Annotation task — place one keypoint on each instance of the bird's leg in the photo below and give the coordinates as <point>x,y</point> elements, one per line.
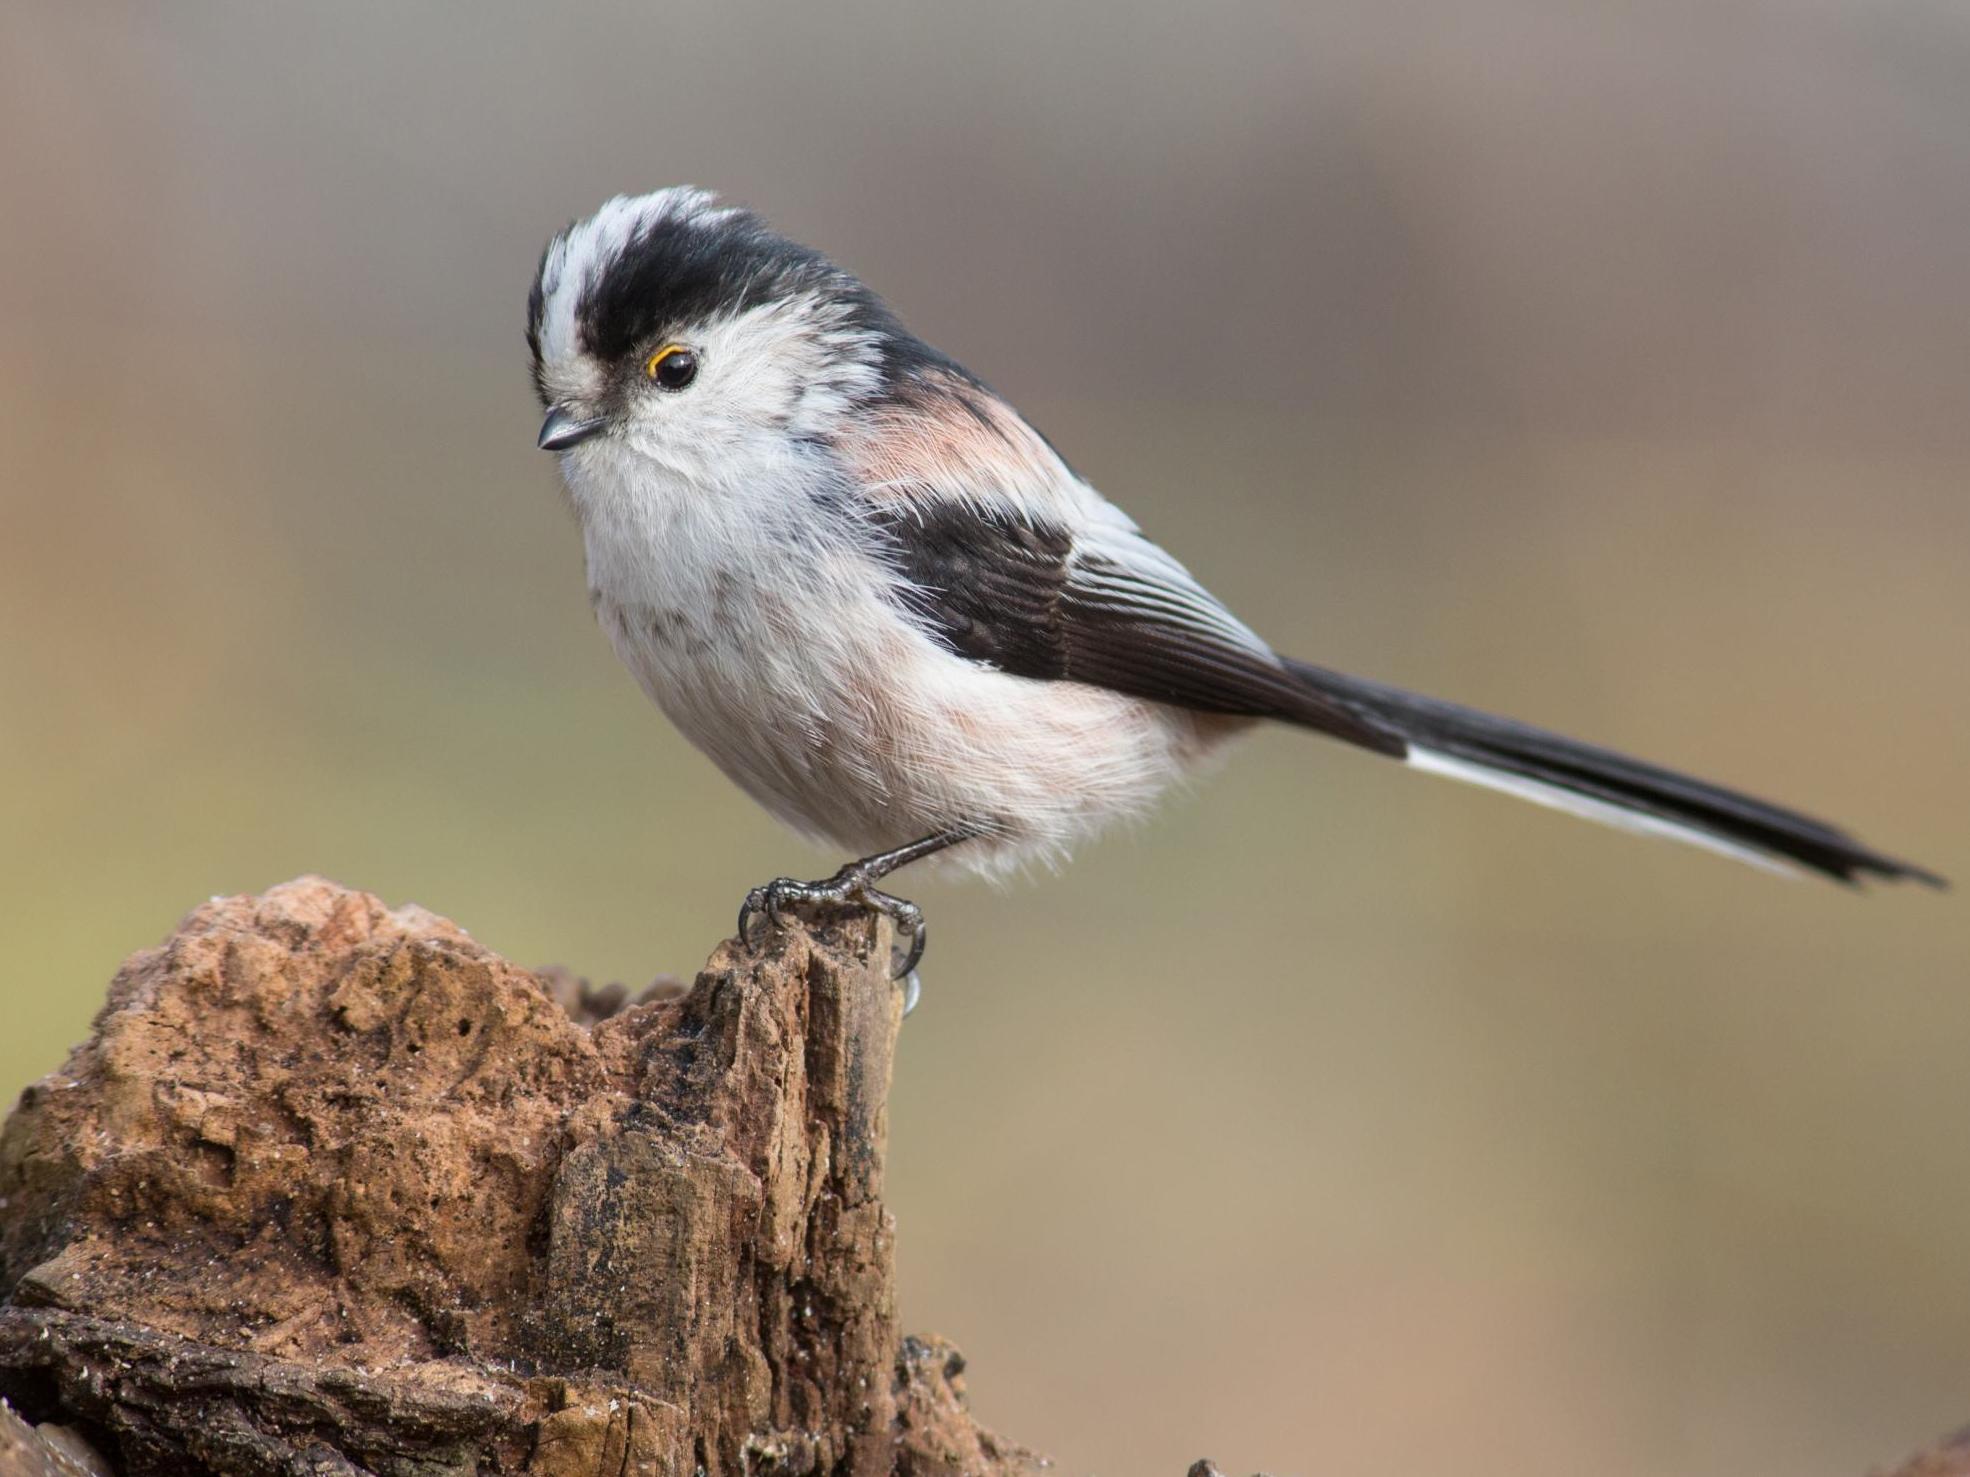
<point>855,885</point>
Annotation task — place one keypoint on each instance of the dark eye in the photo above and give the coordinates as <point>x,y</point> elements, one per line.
<point>672,367</point>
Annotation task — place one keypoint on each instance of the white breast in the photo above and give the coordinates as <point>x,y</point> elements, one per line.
<point>764,633</point>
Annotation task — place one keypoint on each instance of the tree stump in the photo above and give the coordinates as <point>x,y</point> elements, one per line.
<point>333,1189</point>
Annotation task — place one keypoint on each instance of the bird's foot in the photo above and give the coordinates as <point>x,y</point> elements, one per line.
<point>852,886</point>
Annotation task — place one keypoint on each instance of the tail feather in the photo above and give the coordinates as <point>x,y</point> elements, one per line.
<point>1462,743</point>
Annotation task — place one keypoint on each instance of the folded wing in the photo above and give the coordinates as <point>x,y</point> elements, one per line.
<point>1009,559</point>
<point>1109,609</point>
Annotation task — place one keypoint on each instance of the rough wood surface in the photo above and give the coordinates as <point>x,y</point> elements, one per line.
<point>333,1189</point>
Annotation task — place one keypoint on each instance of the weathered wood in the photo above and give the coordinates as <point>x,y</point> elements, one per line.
<point>333,1189</point>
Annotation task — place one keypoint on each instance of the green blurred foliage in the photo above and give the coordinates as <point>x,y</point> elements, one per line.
<point>1603,365</point>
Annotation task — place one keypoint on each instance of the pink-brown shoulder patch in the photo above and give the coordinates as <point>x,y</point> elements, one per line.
<point>953,440</point>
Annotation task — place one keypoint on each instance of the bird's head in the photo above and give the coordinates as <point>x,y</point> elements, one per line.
<point>677,328</point>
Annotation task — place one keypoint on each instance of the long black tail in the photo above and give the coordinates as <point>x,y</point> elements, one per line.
<point>1465,744</point>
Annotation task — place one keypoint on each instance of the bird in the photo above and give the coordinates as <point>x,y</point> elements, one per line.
<point>886,607</point>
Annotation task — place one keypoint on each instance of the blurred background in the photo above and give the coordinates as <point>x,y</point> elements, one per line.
<point>1602,364</point>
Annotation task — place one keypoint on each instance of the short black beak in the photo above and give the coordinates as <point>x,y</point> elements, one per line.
<point>561,430</point>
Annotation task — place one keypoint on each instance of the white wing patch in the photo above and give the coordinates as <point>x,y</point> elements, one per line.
<point>1124,569</point>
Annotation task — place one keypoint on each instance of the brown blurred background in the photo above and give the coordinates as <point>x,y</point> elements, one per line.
<point>1604,364</point>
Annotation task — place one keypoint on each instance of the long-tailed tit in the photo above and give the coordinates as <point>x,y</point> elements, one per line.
<point>888,609</point>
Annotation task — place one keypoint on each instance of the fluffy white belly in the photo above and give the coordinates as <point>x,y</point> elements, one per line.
<point>767,636</point>
<point>856,729</point>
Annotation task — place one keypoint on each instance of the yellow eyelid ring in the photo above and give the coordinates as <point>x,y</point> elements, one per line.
<point>672,367</point>
<point>655,361</point>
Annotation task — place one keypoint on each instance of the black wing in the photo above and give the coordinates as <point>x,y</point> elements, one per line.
<point>1029,598</point>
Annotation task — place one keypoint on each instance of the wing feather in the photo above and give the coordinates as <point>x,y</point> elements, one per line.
<point>1011,560</point>
<point>1109,609</point>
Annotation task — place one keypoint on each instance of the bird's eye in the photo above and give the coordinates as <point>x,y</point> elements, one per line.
<point>672,367</point>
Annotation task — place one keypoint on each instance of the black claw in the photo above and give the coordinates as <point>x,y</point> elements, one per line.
<point>768,902</point>
<point>919,939</point>
<point>854,885</point>
<point>849,886</point>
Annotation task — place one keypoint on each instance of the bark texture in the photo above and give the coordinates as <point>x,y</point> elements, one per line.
<point>333,1189</point>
